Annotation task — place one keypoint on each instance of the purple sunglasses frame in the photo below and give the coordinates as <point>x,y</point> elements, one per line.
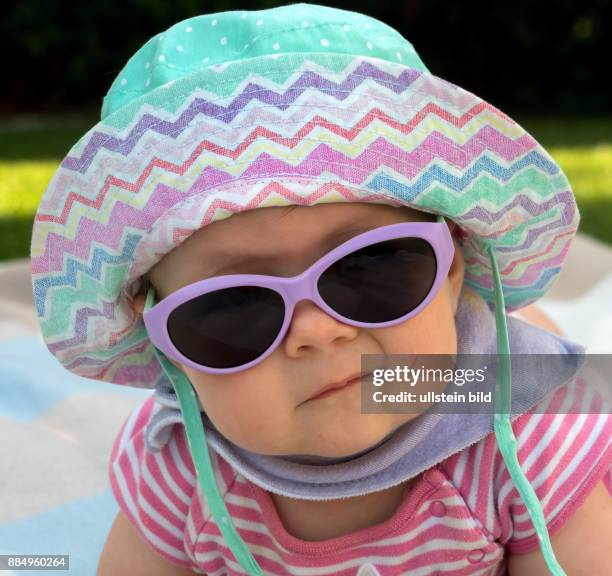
<point>296,288</point>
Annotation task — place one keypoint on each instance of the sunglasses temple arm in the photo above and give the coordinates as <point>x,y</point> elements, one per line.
<point>504,434</point>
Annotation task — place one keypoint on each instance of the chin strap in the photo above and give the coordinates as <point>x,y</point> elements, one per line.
<point>506,441</point>
<point>196,438</point>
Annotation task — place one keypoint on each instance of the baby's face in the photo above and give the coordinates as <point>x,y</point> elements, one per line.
<point>266,408</point>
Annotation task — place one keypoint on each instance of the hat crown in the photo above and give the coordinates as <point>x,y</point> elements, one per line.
<point>215,40</point>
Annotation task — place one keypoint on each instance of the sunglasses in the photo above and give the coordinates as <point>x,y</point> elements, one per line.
<point>376,279</point>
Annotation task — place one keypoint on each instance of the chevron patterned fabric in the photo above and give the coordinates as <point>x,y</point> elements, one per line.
<point>275,130</point>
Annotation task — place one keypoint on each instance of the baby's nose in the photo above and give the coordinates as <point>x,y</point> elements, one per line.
<point>313,327</point>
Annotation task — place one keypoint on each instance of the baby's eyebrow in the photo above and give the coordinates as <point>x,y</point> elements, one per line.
<point>224,258</point>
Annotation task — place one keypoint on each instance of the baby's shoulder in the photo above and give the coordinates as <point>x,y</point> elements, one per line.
<point>158,490</point>
<point>564,446</point>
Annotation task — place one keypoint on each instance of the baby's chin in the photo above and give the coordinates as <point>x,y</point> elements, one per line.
<point>332,451</point>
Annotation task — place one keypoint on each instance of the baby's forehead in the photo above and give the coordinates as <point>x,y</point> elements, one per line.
<point>266,235</point>
<point>320,216</point>
<point>299,223</point>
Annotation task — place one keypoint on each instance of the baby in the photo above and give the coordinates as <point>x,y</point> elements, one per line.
<point>276,400</point>
<point>273,408</point>
<point>263,143</point>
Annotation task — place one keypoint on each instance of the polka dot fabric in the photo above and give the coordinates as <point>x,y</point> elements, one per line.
<point>216,39</point>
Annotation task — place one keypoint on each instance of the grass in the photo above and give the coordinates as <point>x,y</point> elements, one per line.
<point>31,149</point>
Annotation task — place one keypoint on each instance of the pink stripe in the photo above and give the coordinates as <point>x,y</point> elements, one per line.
<point>544,422</point>
<point>568,456</point>
<point>357,554</point>
<point>502,520</point>
<point>123,462</point>
<point>186,485</point>
<point>163,491</point>
<point>484,482</point>
<point>183,449</point>
<point>197,516</point>
<point>125,467</point>
<point>227,472</point>
<point>579,496</point>
<point>589,469</point>
<point>138,489</point>
<point>407,509</point>
<point>467,478</point>
<point>145,493</point>
<point>117,441</point>
<point>118,493</point>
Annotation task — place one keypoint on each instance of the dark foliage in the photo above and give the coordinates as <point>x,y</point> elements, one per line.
<point>526,56</point>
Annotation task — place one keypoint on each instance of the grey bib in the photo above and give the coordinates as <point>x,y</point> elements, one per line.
<point>413,447</point>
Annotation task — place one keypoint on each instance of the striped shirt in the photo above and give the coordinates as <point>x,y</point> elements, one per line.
<point>461,515</point>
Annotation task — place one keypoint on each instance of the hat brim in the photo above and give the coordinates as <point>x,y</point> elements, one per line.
<point>279,130</point>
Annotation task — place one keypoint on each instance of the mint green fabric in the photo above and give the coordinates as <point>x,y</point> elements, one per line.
<point>221,38</point>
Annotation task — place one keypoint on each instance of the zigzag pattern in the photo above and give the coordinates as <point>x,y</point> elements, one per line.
<point>323,159</point>
<point>307,80</point>
<point>379,133</point>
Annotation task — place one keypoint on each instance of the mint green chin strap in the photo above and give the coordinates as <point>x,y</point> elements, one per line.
<point>196,438</point>
<point>506,441</point>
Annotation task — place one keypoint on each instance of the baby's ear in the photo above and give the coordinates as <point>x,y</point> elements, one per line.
<point>138,303</point>
<point>139,299</point>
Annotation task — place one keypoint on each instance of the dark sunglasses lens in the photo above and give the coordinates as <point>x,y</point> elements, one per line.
<point>380,282</point>
<point>229,327</point>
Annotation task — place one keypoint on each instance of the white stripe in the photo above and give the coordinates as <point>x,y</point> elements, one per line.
<point>176,458</point>
<point>158,491</point>
<point>146,506</point>
<point>457,523</point>
<point>162,544</point>
<point>460,468</point>
<point>227,563</point>
<point>271,554</point>
<point>266,552</point>
<point>524,436</point>
<point>121,453</point>
<point>152,538</point>
<point>193,536</point>
<point>223,552</point>
<point>564,446</point>
<point>532,421</point>
<point>537,450</point>
<point>567,471</point>
<point>126,448</point>
<point>489,495</point>
<point>473,494</point>
<point>125,493</point>
<point>185,498</point>
<point>129,427</point>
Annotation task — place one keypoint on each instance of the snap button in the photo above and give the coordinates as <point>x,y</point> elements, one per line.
<point>476,556</point>
<point>437,508</point>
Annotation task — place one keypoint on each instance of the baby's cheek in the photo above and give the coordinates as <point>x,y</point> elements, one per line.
<point>433,331</point>
<point>245,418</point>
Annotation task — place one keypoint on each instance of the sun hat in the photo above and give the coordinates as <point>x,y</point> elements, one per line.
<point>299,104</point>
<point>296,105</point>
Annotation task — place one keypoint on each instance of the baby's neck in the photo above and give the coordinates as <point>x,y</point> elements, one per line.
<point>317,520</point>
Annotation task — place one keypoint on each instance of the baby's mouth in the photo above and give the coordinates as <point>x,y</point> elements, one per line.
<point>335,387</point>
